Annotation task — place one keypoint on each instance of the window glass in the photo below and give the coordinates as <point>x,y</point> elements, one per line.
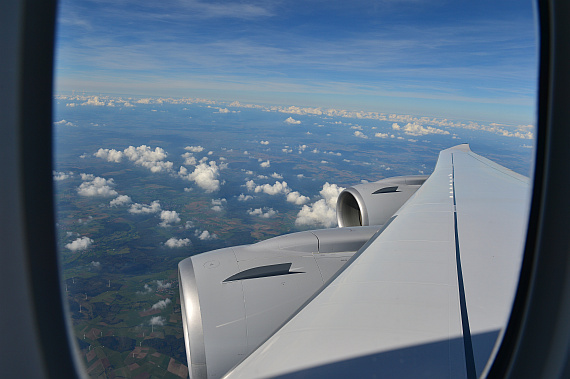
<point>183,127</point>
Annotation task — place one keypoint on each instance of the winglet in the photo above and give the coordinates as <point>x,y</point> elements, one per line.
<point>463,147</point>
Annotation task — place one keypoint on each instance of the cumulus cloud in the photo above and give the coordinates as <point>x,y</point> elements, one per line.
<point>276,176</point>
<point>110,155</point>
<point>137,208</point>
<point>323,211</point>
<point>359,134</point>
<point>218,204</point>
<point>176,243</point>
<point>95,264</point>
<point>275,189</point>
<point>382,135</point>
<point>161,304</point>
<point>205,235</point>
<point>146,289</point>
<point>157,321</point>
<point>94,101</point>
<point>264,142</point>
<point>297,198</point>
<point>189,159</point>
<point>204,175</point>
<point>144,156</point>
<point>250,185</point>
<point>63,123</point>
<point>58,176</point>
<point>96,186</point>
<point>168,218</point>
<point>82,243</point>
<point>194,149</point>
<point>120,200</point>
<point>265,164</point>
<point>414,129</point>
<point>162,285</point>
<point>291,121</point>
<point>263,213</point>
<point>243,197</point>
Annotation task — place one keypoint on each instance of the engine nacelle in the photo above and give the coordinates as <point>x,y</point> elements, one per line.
<point>233,299</point>
<point>374,203</point>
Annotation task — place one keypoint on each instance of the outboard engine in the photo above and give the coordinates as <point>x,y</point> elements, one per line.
<point>374,203</point>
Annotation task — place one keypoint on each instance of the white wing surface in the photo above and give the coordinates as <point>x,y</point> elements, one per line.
<point>427,296</point>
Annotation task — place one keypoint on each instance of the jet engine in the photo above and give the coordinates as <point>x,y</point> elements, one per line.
<point>233,299</point>
<point>374,203</point>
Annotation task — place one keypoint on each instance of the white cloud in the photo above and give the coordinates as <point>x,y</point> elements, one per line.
<point>264,142</point>
<point>110,155</point>
<point>82,243</point>
<point>58,176</point>
<point>188,189</point>
<point>276,176</point>
<point>323,211</point>
<point>157,321</point>
<point>381,135</point>
<point>144,156</point>
<point>120,200</point>
<point>277,188</point>
<point>194,149</point>
<point>292,121</point>
<point>243,197</point>
<point>168,218</point>
<point>297,198</point>
<point>189,159</point>
<point>205,176</point>
<point>137,208</point>
<point>300,176</point>
<point>175,243</point>
<point>205,235</point>
<point>96,186</point>
<point>161,304</point>
<point>94,101</point>
<point>64,123</point>
<point>163,285</point>
<point>146,289</point>
<point>218,204</point>
<point>359,134</point>
<point>269,212</point>
<point>95,264</point>
<point>414,129</point>
<point>265,164</point>
<point>250,185</point>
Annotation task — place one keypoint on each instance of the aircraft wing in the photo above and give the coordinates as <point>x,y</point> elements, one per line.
<point>428,295</point>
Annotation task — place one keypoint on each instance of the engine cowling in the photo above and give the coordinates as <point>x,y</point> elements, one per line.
<point>233,299</point>
<point>374,203</point>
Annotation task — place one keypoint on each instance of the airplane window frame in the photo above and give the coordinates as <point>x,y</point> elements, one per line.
<point>537,337</point>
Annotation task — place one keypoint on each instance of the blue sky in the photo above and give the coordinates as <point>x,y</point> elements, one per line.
<point>467,60</point>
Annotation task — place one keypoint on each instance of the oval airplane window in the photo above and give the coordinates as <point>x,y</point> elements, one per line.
<point>196,126</point>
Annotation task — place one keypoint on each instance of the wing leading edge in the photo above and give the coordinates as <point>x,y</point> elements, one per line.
<point>427,296</point>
